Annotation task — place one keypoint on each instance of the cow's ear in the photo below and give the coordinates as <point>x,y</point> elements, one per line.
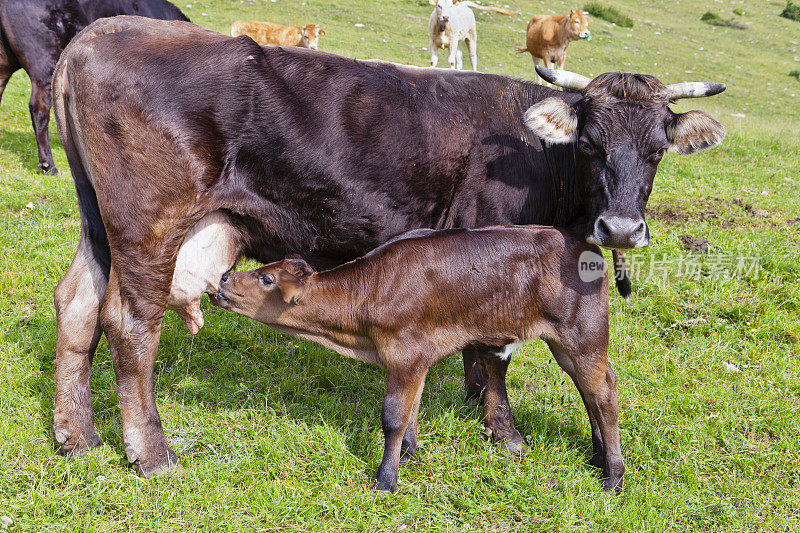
<point>693,131</point>
<point>321,31</point>
<point>292,288</point>
<point>553,120</point>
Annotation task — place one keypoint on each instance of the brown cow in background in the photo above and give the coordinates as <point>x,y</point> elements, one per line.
<point>549,36</point>
<point>269,33</point>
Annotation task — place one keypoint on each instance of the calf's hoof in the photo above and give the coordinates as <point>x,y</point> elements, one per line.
<point>158,466</point>
<point>613,483</point>
<point>598,460</point>
<point>74,444</point>
<point>407,455</point>
<point>382,485</point>
<point>612,479</point>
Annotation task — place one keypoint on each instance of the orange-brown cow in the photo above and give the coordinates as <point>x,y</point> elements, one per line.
<point>549,36</point>
<point>269,33</point>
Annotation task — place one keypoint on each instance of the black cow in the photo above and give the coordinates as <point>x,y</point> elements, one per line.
<point>34,32</point>
<point>190,149</point>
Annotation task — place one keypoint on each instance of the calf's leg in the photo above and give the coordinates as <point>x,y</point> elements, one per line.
<point>408,448</point>
<point>472,45</point>
<point>403,386</point>
<point>77,301</point>
<point>598,459</point>
<point>597,383</point>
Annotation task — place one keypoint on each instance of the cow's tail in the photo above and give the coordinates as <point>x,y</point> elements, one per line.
<point>521,49</point>
<point>501,10</point>
<point>621,274</point>
<point>92,228</point>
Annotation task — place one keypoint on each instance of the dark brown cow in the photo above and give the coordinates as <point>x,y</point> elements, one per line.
<point>425,296</point>
<point>190,149</point>
<point>34,32</point>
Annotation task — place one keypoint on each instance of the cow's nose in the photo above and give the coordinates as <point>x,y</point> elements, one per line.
<point>225,277</point>
<point>622,233</point>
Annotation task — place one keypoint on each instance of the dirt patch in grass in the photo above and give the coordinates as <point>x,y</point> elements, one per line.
<point>719,211</point>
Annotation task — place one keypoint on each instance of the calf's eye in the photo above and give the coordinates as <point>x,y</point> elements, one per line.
<point>266,279</point>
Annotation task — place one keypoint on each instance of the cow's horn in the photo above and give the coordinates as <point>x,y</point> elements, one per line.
<point>563,78</point>
<point>694,89</point>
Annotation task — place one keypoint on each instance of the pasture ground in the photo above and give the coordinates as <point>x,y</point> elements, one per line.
<point>279,434</point>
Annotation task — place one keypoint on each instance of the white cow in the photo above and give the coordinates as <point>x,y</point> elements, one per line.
<point>449,25</point>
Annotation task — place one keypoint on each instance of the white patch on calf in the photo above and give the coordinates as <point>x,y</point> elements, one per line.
<point>553,120</point>
<point>507,350</point>
<point>208,251</point>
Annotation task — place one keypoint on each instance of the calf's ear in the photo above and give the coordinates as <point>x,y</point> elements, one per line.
<point>693,131</point>
<point>297,267</point>
<point>553,120</point>
<point>291,288</point>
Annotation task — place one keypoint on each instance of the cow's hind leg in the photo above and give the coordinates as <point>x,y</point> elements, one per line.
<point>597,383</point>
<point>497,415</point>
<point>132,325</point>
<point>39,106</point>
<point>77,301</point>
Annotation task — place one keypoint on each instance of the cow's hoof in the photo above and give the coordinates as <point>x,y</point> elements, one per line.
<point>151,469</point>
<point>77,446</point>
<point>48,168</point>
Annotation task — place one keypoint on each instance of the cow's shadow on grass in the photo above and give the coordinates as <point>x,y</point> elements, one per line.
<point>235,364</point>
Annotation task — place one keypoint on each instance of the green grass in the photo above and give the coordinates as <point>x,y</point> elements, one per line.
<point>791,11</point>
<point>277,433</point>
<point>608,13</point>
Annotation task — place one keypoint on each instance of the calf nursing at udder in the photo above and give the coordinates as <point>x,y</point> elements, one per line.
<point>428,294</point>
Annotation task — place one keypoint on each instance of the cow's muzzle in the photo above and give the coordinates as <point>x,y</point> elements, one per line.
<point>621,233</point>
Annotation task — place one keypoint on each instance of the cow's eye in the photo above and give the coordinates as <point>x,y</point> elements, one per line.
<point>587,148</point>
<point>656,156</point>
<point>266,279</point>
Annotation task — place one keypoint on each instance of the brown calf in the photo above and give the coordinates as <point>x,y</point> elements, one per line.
<point>549,36</point>
<point>269,33</point>
<point>428,294</point>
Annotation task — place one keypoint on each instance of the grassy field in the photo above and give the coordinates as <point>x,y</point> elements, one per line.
<point>279,434</point>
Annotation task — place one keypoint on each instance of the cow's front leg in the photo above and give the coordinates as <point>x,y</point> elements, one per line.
<point>39,106</point>
<point>131,318</point>
<point>496,411</point>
